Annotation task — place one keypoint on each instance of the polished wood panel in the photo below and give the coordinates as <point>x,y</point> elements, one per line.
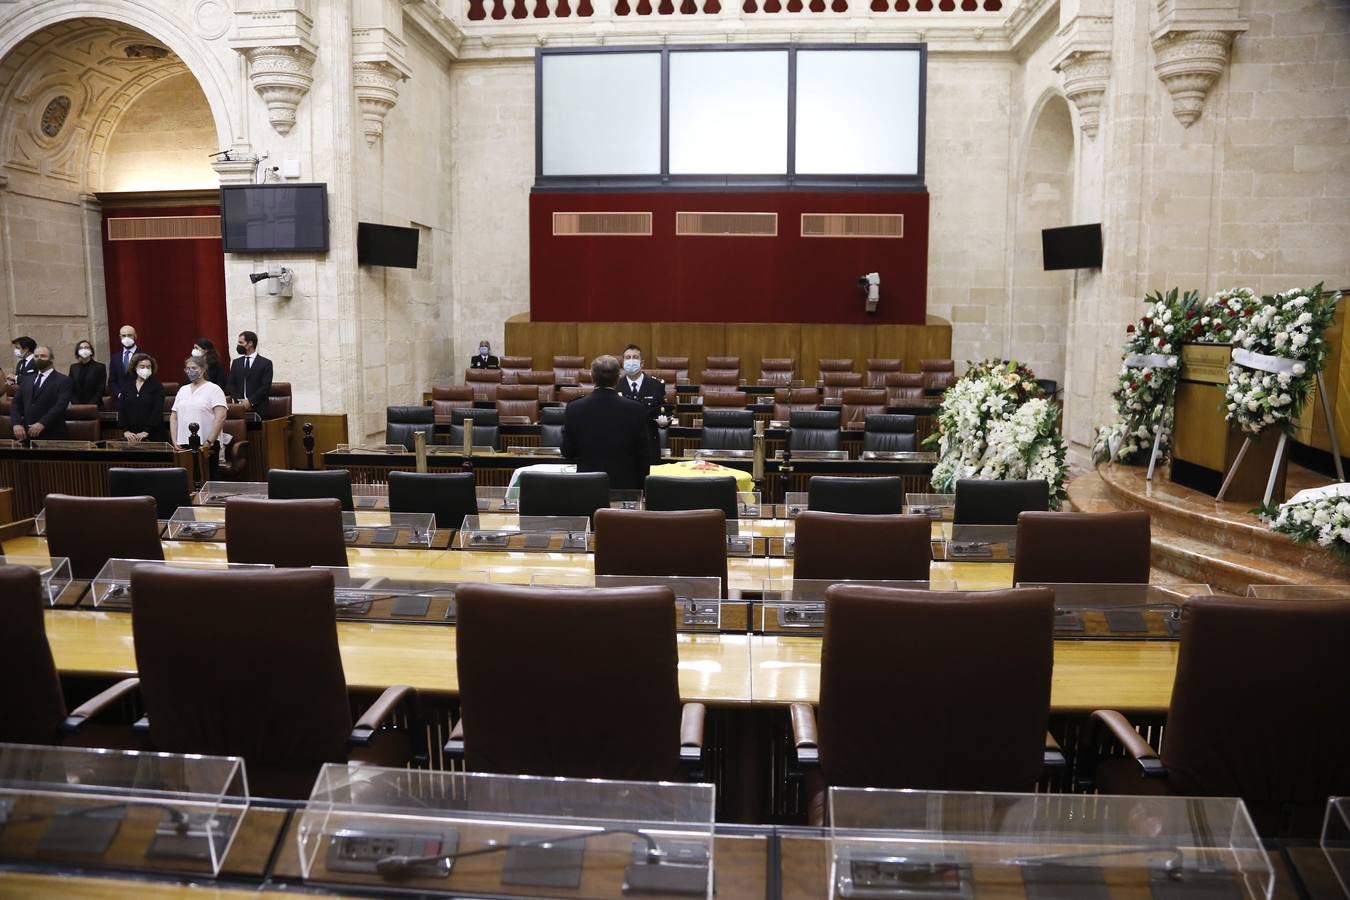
<point>541,340</point>
<point>598,338</point>
<point>28,884</point>
<point>910,344</point>
<point>855,342</point>
<point>33,474</point>
<point>754,343</point>
<point>695,340</point>
<point>329,431</point>
<point>6,505</point>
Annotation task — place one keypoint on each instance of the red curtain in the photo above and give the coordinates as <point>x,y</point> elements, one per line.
<point>171,291</point>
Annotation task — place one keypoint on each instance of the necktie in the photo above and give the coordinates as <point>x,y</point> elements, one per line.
<point>632,387</point>
<point>126,357</point>
<point>37,388</point>
<point>248,363</point>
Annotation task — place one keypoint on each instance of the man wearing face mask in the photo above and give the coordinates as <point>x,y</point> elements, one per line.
<point>23,359</point>
<point>647,390</point>
<point>39,408</point>
<point>250,381</point>
<point>120,371</point>
<point>484,359</point>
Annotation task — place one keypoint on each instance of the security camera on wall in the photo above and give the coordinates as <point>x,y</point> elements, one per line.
<point>871,285</point>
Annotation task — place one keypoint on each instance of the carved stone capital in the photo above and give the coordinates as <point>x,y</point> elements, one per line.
<point>239,169</point>
<point>1189,62</point>
<point>1085,78</point>
<point>376,86</point>
<point>282,76</point>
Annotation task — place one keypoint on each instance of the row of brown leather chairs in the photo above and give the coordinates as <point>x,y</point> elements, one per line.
<point>772,371</point>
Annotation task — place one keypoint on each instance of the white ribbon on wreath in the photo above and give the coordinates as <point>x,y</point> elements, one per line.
<point>1150,361</point>
<point>1277,365</point>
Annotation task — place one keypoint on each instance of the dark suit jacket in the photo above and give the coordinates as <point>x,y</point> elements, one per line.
<point>604,432</point>
<point>118,376</point>
<point>256,388</point>
<point>651,394</point>
<point>47,406</point>
<point>477,362</point>
<point>143,410</point>
<point>87,381</point>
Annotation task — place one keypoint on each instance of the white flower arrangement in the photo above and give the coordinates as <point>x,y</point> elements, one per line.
<point>995,424</point>
<point>1278,352</point>
<point>1323,520</point>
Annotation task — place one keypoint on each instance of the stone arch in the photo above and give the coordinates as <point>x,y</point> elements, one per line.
<point>1039,310</point>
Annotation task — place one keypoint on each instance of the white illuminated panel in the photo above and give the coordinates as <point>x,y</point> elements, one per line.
<point>858,112</point>
<point>728,112</point>
<point>601,114</point>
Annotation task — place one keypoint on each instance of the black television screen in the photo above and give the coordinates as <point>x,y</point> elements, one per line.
<point>274,218</point>
<point>386,245</point>
<point>1075,247</point>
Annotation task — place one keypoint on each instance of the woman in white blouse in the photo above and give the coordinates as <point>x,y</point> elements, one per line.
<point>198,401</point>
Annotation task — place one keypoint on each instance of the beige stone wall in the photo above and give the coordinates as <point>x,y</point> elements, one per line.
<point>163,141</point>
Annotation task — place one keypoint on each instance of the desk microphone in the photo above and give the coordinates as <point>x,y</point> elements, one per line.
<point>1174,865</point>
<point>400,865</point>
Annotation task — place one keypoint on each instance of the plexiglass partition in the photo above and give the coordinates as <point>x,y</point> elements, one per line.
<point>930,844</point>
<point>795,503</point>
<point>53,572</point>
<point>382,449</point>
<point>915,456</point>
<point>797,606</point>
<point>1336,840</point>
<point>111,588</point>
<point>506,836</point>
<point>935,506</point>
<point>550,452</point>
<point>215,493</point>
<point>813,454</point>
<point>40,444</point>
<point>698,601</point>
<point>108,808</point>
<point>381,528</point>
<point>140,446</point>
<point>532,533</point>
<point>415,595</point>
<point>497,499</point>
<point>1299,591</point>
<point>1119,611</point>
<point>705,453</point>
<point>197,523</point>
<point>976,543</point>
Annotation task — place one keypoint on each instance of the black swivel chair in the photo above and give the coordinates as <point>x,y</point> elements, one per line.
<point>728,429</point>
<point>550,426</point>
<point>563,493</point>
<point>449,495</point>
<point>889,434</point>
<point>298,484</point>
<point>665,494</point>
<point>402,422</point>
<point>169,486</point>
<point>984,502</point>
<point>485,427</point>
<point>865,496</point>
<point>813,429</point>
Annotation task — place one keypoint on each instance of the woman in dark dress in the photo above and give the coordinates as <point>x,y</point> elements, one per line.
<point>210,360</point>
<point>88,375</point>
<point>141,413</point>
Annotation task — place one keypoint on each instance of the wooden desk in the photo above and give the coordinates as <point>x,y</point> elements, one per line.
<point>36,473</point>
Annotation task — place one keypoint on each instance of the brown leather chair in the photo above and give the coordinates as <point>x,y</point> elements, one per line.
<point>572,392</point>
<point>512,366</point>
<point>566,369</point>
<point>973,669</point>
<point>518,400</point>
<point>715,380</point>
<point>32,705</point>
<point>639,542</point>
<point>937,365</point>
<point>92,530</point>
<point>447,398</point>
<point>612,651</point>
<point>584,376</point>
<point>938,374</point>
<point>279,402</point>
<point>777,371</point>
<point>484,383</point>
<point>289,534</point>
<point>678,364</point>
<point>878,369</point>
<point>236,451</point>
<point>1260,710</point>
<point>902,386</point>
<point>862,547</point>
<point>170,395</point>
<point>723,363</point>
<point>834,365</point>
<point>542,381</point>
<point>1096,548</point>
<point>856,404</point>
<point>835,383</point>
<point>726,399</point>
<point>247,664</point>
<point>82,422</point>
<point>786,400</point>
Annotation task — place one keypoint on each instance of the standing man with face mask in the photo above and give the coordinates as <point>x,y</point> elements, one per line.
<point>250,381</point>
<point>120,372</point>
<point>647,390</point>
<point>484,359</point>
<point>39,408</point>
<point>23,359</point>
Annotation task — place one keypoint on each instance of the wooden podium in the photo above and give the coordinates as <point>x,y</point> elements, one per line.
<point>1203,446</point>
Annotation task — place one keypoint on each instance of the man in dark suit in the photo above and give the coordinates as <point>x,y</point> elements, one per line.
<point>23,359</point>
<point>39,408</point>
<point>606,432</point>
<point>119,365</point>
<point>647,390</point>
<point>484,359</point>
<point>250,381</point>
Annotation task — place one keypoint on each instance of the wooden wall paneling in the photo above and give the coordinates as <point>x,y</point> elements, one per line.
<point>696,340</point>
<point>835,342</point>
<point>329,431</point>
<point>597,338</point>
<point>758,342</point>
<point>541,340</point>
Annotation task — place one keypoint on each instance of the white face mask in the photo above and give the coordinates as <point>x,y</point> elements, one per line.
<point>128,342</point>
<point>197,352</point>
<point>18,353</point>
<point>145,372</point>
<point>631,366</point>
<point>85,352</point>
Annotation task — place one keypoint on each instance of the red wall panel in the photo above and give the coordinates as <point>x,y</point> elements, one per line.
<point>172,291</point>
<point>664,277</point>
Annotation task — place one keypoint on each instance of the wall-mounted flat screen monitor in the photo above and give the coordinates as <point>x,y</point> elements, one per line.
<point>386,245</point>
<point>1074,247</point>
<point>274,218</point>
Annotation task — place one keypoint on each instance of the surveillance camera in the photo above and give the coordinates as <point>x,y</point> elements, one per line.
<point>256,277</point>
<point>871,284</point>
